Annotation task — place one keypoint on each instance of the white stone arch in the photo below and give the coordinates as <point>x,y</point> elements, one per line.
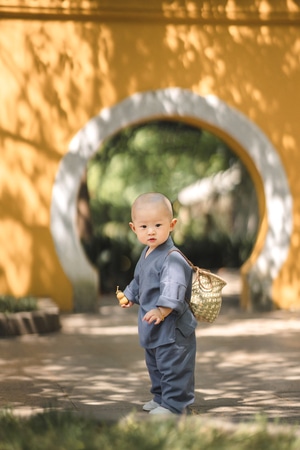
<point>180,103</point>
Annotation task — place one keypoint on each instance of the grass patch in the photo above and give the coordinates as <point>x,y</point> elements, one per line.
<point>10,304</point>
<point>68,431</point>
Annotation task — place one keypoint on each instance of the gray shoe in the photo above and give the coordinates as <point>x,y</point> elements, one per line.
<point>161,410</point>
<point>150,406</point>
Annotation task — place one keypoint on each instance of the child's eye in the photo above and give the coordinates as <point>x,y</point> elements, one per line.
<point>158,225</point>
<point>143,226</point>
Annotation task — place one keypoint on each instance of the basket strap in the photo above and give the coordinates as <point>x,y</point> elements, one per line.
<point>198,270</point>
<point>187,260</point>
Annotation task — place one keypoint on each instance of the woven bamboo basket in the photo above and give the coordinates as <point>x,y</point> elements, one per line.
<point>206,298</point>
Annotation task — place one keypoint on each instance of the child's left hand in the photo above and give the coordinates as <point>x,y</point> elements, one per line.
<point>153,316</point>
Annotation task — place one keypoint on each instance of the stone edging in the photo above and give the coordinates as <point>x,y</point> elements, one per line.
<point>44,320</point>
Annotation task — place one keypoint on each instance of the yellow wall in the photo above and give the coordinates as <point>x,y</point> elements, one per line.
<point>59,70</point>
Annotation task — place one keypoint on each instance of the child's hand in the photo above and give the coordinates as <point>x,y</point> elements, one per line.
<point>127,305</point>
<point>123,300</point>
<point>153,316</point>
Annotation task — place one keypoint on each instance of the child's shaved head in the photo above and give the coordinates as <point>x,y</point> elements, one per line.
<point>152,199</point>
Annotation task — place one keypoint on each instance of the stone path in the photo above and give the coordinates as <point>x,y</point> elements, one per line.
<point>247,364</point>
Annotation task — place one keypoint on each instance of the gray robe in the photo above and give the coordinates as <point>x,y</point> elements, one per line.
<point>162,279</point>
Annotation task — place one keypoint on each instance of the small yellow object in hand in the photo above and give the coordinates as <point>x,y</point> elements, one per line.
<point>123,300</point>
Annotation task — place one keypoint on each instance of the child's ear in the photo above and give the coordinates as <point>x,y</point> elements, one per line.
<point>172,224</point>
<point>131,224</point>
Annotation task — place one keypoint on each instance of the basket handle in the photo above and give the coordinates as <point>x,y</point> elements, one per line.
<point>197,269</point>
<point>187,260</point>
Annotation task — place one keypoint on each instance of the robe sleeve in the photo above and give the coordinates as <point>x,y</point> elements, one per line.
<point>131,291</point>
<point>175,283</point>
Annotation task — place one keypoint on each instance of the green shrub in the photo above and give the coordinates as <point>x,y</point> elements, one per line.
<point>10,304</point>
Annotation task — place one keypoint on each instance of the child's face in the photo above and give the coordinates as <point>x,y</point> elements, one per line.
<point>152,224</point>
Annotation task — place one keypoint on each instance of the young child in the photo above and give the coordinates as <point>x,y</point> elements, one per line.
<point>161,286</point>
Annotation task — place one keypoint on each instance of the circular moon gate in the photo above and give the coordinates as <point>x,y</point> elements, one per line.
<point>182,105</point>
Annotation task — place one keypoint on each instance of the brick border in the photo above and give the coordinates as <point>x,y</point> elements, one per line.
<point>44,320</point>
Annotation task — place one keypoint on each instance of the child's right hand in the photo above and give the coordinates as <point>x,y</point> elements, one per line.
<point>123,300</point>
<point>127,305</point>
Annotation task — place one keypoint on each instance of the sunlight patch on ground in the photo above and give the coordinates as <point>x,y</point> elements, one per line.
<point>246,327</point>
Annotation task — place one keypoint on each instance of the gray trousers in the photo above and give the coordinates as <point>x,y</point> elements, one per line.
<point>171,369</point>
